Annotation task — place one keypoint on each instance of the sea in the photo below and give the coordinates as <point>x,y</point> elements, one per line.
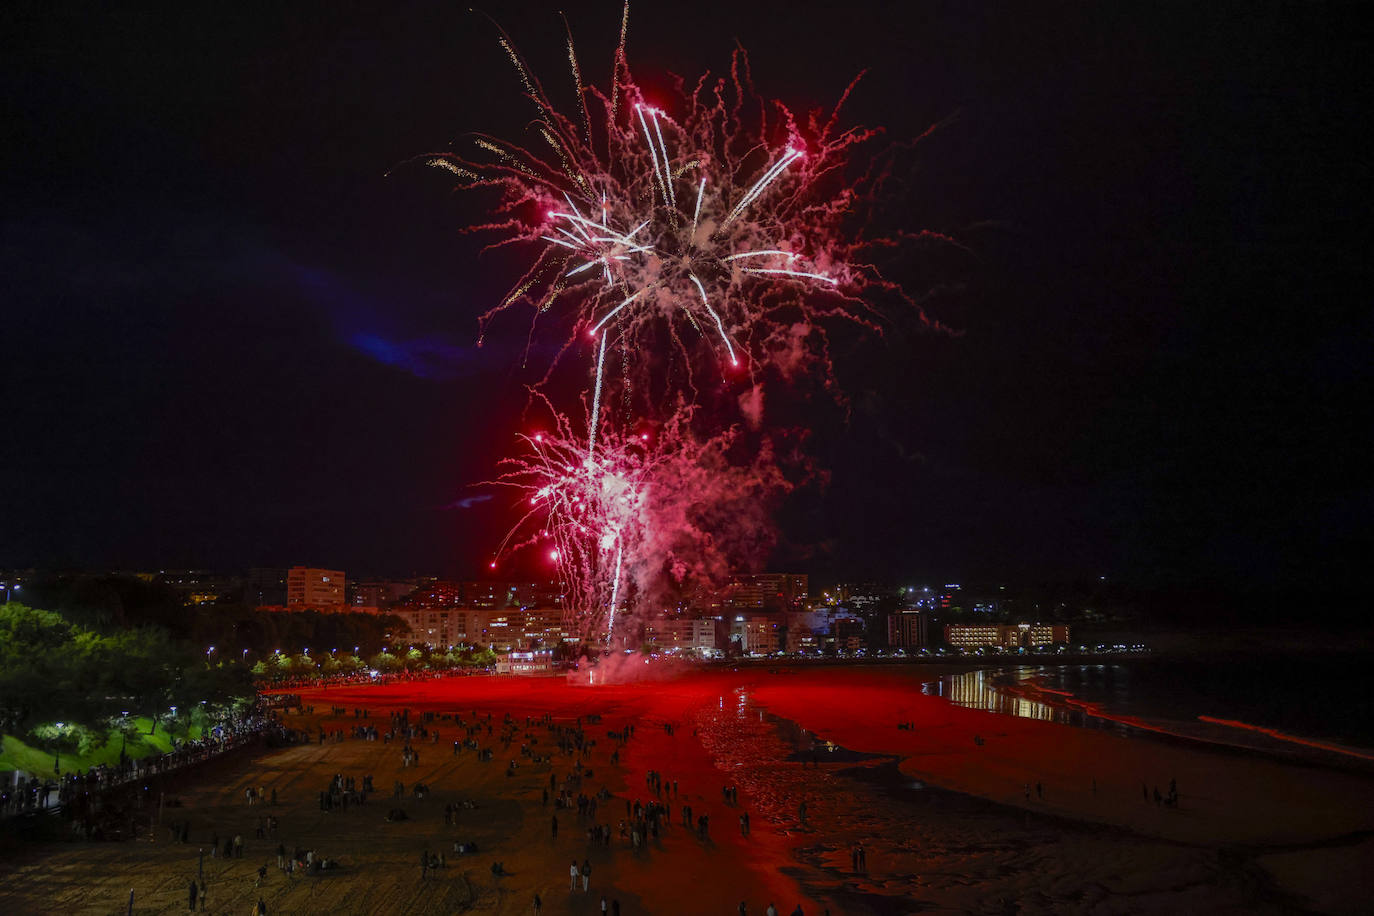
<point>1310,705</point>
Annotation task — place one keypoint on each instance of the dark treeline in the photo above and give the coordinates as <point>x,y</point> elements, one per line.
<point>107,603</point>
<point>95,652</point>
<point>55,671</point>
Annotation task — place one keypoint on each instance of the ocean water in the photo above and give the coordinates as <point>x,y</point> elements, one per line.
<point>1298,703</point>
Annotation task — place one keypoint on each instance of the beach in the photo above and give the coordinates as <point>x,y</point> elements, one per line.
<point>962,811</point>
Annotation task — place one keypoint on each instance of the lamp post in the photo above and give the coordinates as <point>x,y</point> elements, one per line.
<point>123,736</point>
<point>57,752</point>
<point>10,587</point>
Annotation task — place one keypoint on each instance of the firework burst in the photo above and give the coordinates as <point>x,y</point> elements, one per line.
<point>645,513</point>
<point>715,227</point>
<point>586,509</point>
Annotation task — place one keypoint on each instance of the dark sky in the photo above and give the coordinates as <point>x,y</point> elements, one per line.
<point>229,339</point>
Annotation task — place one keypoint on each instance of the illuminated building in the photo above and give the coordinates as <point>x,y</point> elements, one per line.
<point>757,635</point>
<point>544,625</point>
<point>379,594</point>
<point>680,634</point>
<point>1005,635</point>
<point>538,661</point>
<point>435,593</point>
<point>500,628</point>
<point>806,631</point>
<point>851,633</point>
<point>432,627</point>
<point>860,595</point>
<point>476,593</point>
<point>908,630</point>
<point>310,587</point>
<point>766,592</point>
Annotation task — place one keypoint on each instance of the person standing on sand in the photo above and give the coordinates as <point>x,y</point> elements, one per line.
<point>194,890</point>
<point>586,874</point>
<point>743,910</point>
<point>771,911</point>
<point>538,905</point>
<point>572,876</point>
<point>202,896</point>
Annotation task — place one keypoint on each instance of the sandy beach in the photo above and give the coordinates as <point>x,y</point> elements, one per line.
<point>945,821</point>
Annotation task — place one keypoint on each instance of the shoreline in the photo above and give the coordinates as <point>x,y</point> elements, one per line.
<point>1292,748</point>
<point>1285,746</point>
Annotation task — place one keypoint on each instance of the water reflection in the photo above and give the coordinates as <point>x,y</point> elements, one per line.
<point>1047,694</point>
<point>987,690</point>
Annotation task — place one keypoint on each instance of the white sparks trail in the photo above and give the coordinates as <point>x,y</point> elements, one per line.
<point>612,313</point>
<point>719,326</point>
<point>615,593</point>
<point>790,273</point>
<point>667,169</point>
<point>595,422</point>
<point>762,184</point>
<point>650,140</point>
<point>760,254</point>
<point>696,214</point>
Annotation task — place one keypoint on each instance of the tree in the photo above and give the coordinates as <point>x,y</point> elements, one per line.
<point>386,662</point>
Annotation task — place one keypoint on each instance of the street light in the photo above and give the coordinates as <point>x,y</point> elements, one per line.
<point>57,752</point>
<point>10,587</point>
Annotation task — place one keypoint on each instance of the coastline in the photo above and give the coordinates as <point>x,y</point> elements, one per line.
<point>1213,731</point>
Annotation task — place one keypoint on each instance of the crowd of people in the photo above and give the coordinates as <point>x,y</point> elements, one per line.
<point>87,797</point>
<point>566,748</point>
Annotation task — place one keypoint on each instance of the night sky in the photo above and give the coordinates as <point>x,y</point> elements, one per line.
<point>231,339</point>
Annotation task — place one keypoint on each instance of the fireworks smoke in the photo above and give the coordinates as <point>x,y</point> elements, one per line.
<point>645,517</point>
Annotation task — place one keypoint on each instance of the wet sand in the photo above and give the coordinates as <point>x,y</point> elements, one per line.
<point>1250,835</point>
